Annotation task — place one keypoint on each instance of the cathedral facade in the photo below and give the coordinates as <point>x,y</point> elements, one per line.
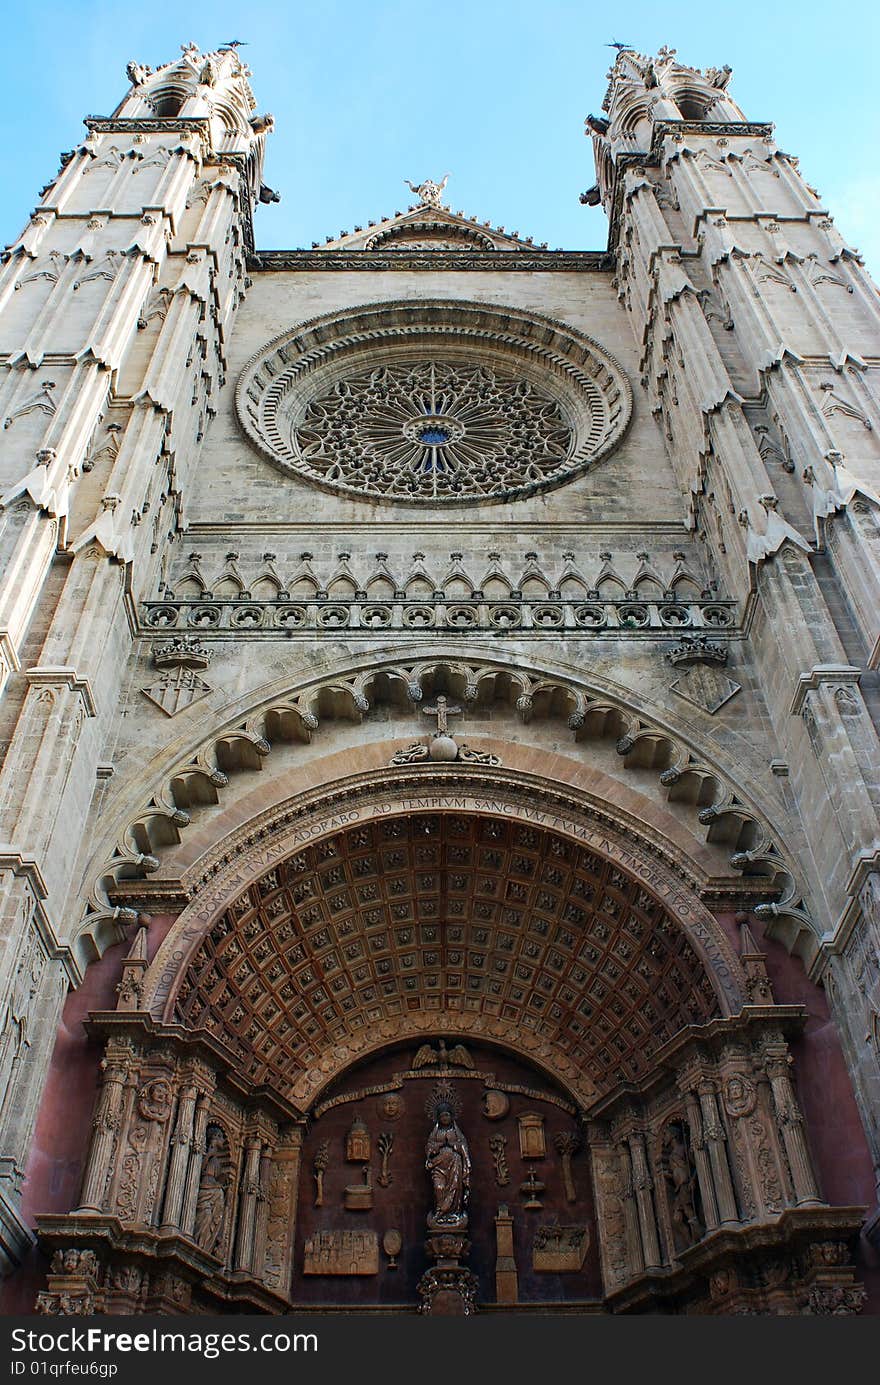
<point>440,772</point>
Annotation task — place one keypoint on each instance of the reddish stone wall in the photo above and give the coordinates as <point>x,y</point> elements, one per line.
<point>405,1204</point>
<point>61,1136</point>
<point>61,1139</point>
<point>834,1127</point>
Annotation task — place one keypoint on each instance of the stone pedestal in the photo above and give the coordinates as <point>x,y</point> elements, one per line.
<point>447,1289</point>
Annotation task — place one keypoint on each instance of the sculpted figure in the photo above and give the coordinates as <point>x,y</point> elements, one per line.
<point>448,1160</point>
<point>428,192</point>
<point>686,1225</point>
<point>211,1200</point>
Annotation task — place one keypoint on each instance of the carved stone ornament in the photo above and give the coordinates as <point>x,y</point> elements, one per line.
<point>532,1143</point>
<point>359,1196</point>
<point>154,1100</point>
<point>176,689</point>
<point>437,402</point>
<point>740,1095</point>
<point>697,649</point>
<point>448,1291</point>
<point>567,1143</point>
<point>497,1147</point>
<point>531,1190</point>
<point>182,651</point>
<point>391,1106</point>
<point>560,1249</point>
<point>357,1143</point>
<point>213,1185</point>
<point>705,687</point>
<point>442,748</point>
<point>392,1244</point>
<point>496,1104</point>
<point>319,1167</point>
<point>457,1056</point>
<point>341,1253</point>
<point>448,1162</point>
<point>385,1145</point>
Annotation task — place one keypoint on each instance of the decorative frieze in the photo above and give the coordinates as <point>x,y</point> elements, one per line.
<point>525,617</point>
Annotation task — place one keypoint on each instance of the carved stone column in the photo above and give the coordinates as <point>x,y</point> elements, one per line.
<point>194,1172</point>
<point>261,1215</point>
<point>644,1201</point>
<point>716,1140</point>
<point>506,1280</point>
<point>283,1186</point>
<point>791,1124</point>
<point>702,1161</point>
<point>181,1145</point>
<point>247,1207</point>
<point>631,1215</point>
<point>105,1127</point>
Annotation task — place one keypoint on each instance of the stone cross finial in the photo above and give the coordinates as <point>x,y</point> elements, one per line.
<point>442,710</point>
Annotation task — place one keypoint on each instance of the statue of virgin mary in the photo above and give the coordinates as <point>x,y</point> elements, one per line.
<point>448,1161</point>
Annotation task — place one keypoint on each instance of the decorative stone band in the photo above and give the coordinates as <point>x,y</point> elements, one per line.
<point>155,125</point>
<point>529,617</point>
<point>327,381</point>
<point>407,260</point>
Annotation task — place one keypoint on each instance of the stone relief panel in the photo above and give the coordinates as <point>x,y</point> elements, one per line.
<point>553,1246</point>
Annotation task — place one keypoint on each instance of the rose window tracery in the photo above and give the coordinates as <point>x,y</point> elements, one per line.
<point>437,403</point>
<point>434,429</point>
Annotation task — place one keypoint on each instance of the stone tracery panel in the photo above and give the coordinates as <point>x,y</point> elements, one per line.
<point>433,430</point>
<point>436,402</point>
<point>441,914</point>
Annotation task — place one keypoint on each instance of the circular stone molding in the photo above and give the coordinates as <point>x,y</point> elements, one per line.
<point>436,402</point>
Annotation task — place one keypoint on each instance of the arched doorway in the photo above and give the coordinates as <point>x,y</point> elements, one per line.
<point>392,940</point>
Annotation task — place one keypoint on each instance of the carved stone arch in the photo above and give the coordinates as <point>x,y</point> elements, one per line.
<point>694,100</point>
<point>686,774</point>
<point>285,875</point>
<point>636,113</point>
<point>429,228</point>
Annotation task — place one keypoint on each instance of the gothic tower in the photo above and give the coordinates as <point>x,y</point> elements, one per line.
<point>117,304</point>
<point>567,836</point>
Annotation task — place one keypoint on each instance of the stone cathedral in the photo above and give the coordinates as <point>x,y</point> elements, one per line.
<point>440,790</point>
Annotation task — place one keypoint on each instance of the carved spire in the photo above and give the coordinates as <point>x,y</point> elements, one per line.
<point>131,984</point>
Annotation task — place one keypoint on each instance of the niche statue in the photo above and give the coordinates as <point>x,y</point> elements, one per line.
<point>448,1161</point>
<point>211,1199</point>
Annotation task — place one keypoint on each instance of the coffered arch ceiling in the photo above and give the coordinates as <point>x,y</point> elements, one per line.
<point>446,923</point>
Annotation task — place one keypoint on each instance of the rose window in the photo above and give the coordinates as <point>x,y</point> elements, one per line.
<point>433,430</point>
<point>434,403</point>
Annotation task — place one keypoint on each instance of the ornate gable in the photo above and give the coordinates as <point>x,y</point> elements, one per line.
<point>429,225</point>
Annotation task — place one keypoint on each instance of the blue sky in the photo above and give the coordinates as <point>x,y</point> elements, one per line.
<point>367,94</point>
